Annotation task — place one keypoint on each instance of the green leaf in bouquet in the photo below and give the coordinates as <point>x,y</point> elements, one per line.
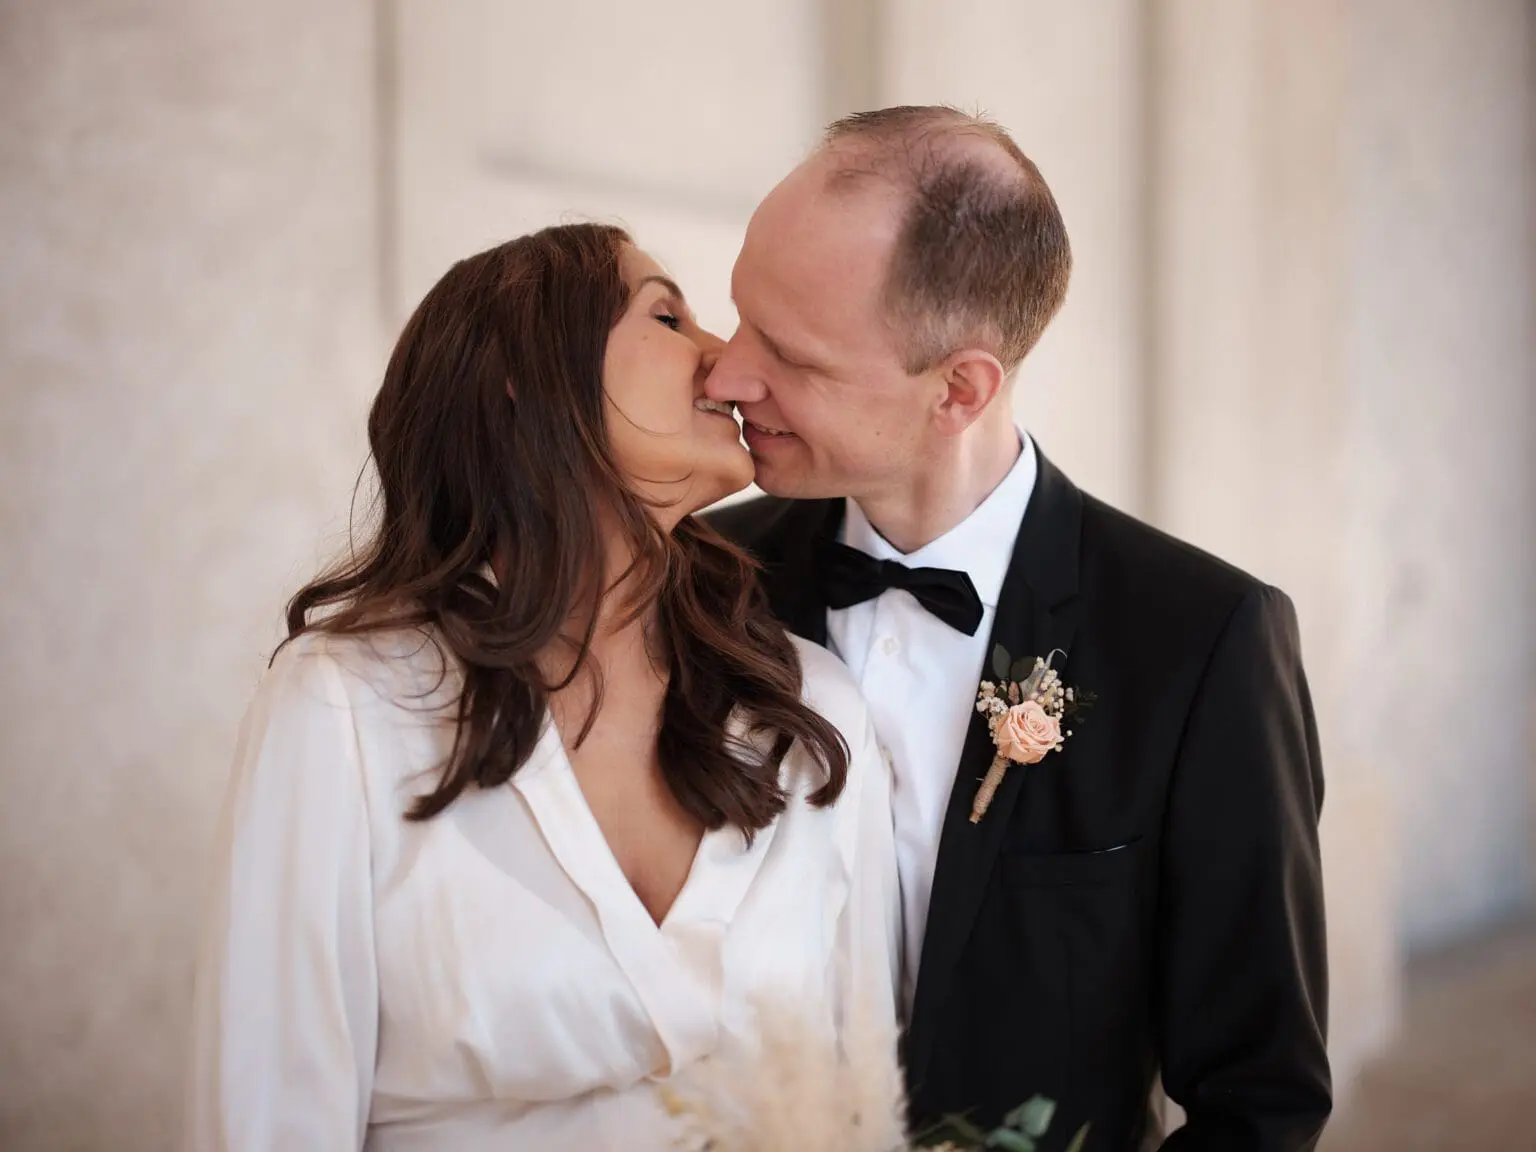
<point>1022,667</point>
<point>1079,1140</point>
<point>1033,1117</point>
<point>1010,1141</point>
<point>1000,662</point>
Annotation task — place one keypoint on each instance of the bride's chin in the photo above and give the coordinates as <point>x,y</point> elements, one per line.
<point>740,478</point>
<point>722,483</point>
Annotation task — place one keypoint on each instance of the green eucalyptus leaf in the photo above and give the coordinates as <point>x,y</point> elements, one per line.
<point>1022,667</point>
<point>1010,1141</point>
<point>1079,1140</point>
<point>1033,1117</point>
<point>1000,662</point>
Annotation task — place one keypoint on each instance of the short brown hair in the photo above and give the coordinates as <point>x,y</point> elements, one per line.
<point>489,441</point>
<point>982,254</point>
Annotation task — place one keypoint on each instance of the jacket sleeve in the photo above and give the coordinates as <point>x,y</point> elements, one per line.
<point>1243,977</point>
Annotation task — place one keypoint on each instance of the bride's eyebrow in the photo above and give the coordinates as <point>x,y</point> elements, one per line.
<point>666,282</point>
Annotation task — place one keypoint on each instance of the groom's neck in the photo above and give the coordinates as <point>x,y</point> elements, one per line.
<point>940,491</point>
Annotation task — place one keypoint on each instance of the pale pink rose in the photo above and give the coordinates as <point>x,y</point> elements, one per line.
<point>1027,732</point>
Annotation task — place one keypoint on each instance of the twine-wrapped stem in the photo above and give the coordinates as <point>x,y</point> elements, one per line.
<point>989,786</point>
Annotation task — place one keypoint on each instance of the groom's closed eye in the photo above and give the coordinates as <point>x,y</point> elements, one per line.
<point>777,348</point>
<point>778,352</point>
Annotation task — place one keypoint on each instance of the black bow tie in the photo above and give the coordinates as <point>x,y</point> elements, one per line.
<point>850,577</point>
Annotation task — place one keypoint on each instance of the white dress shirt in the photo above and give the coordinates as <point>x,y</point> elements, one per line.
<point>488,979</point>
<point>919,676</point>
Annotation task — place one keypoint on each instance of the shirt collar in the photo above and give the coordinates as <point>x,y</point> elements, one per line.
<point>981,545</point>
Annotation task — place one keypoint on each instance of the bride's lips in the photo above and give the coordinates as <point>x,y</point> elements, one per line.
<point>716,408</point>
<point>759,438</point>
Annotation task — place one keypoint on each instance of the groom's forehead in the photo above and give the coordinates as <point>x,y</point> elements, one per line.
<point>819,280</point>
<point>834,187</point>
<point>821,300</point>
<point>804,232</point>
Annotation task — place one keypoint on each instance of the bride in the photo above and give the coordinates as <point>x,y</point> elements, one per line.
<point>537,804</point>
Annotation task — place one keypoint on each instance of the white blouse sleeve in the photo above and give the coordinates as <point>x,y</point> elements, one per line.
<point>870,932</point>
<point>285,1015</point>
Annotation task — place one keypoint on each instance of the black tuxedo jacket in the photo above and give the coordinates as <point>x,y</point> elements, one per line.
<point>1148,900</point>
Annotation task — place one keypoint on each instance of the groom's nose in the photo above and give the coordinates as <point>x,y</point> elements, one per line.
<point>733,380</point>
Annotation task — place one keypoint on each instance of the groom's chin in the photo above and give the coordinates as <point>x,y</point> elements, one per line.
<point>769,478</point>
<point>782,466</point>
<point>788,483</point>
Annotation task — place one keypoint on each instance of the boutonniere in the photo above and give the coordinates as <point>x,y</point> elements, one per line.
<point>1027,711</point>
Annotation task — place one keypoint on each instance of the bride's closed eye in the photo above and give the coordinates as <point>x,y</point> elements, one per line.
<point>673,322</point>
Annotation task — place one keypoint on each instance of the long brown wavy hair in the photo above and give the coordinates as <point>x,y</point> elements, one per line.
<point>489,442</point>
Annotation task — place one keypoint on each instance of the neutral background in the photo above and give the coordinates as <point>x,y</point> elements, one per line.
<point>1300,334</point>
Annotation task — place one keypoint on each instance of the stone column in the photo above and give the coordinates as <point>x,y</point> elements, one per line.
<point>1441,375</point>
<point>1248,428</point>
<point>1067,81</point>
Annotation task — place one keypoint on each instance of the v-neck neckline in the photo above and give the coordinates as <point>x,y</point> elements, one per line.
<point>721,870</point>
<point>594,842</point>
<point>676,967</point>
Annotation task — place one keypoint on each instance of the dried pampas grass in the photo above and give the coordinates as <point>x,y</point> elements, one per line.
<point>801,1092</point>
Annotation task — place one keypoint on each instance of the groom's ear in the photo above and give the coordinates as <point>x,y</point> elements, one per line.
<point>972,378</point>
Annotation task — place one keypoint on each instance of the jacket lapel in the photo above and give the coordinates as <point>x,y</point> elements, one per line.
<point>1036,614</point>
<point>789,572</point>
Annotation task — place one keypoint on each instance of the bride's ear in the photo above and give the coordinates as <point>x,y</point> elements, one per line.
<point>972,378</point>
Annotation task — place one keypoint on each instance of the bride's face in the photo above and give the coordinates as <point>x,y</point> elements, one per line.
<point>672,444</point>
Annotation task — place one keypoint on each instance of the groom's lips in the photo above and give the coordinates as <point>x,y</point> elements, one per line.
<point>759,437</point>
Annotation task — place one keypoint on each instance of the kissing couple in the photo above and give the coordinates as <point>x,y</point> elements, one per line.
<point>564,788</point>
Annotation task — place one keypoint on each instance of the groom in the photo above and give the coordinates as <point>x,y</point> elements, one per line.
<point>1146,902</point>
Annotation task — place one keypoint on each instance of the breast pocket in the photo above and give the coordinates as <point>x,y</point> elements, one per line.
<point>1107,866</point>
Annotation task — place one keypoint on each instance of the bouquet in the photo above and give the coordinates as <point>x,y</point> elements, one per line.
<point>802,1094</point>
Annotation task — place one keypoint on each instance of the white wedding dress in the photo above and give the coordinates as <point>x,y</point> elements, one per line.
<point>488,979</point>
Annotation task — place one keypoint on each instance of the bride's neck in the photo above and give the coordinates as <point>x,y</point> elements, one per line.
<point>621,637</point>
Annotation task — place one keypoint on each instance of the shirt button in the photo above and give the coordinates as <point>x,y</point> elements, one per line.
<point>890,646</point>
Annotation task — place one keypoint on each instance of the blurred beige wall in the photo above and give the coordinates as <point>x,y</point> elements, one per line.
<point>1343,381</point>
<point>1440,412</point>
<point>1069,81</point>
<point>1299,333</point>
<point>189,330</point>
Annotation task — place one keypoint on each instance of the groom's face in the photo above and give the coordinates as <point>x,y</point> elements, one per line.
<point>827,406</point>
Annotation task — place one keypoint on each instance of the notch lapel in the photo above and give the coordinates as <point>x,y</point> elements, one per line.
<point>789,571</point>
<point>1036,614</point>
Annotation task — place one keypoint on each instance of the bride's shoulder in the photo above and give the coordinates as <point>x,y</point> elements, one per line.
<point>828,686</point>
<point>385,666</point>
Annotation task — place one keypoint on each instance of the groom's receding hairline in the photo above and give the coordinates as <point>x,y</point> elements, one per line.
<point>982,257</point>
<point>904,142</point>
